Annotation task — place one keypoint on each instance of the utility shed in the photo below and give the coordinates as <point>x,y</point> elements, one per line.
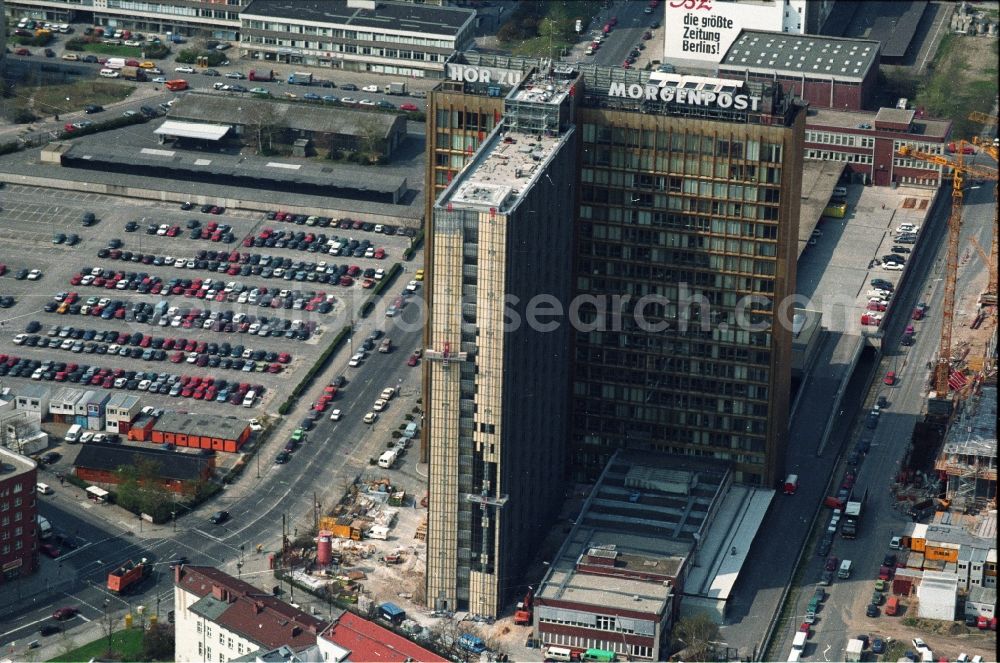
<point>938,594</point>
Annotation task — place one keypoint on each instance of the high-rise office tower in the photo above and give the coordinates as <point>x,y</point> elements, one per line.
<point>498,374</point>
<point>686,230</point>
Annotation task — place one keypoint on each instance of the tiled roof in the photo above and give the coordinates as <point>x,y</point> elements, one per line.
<point>367,641</point>
<point>244,609</point>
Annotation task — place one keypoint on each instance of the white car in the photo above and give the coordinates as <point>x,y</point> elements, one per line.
<point>159,79</point>
<point>356,360</point>
<point>892,266</point>
<point>370,417</point>
<point>162,230</point>
<point>184,70</point>
<point>907,228</point>
<point>366,102</point>
<point>388,393</point>
<point>370,88</point>
<point>144,385</point>
<point>86,437</point>
<point>255,425</point>
<point>881,294</point>
<point>380,405</point>
<point>335,415</point>
<point>412,286</point>
<point>895,543</point>
<point>19,339</point>
<point>919,644</point>
<point>34,275</point>
<point>379,274</point>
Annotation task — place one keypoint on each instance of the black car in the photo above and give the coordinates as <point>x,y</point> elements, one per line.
<point>50,458</point>
<point>889,560</point>
<point>147,111</point>
<point>872,610</point>
<point>186,205</point>
<point>350,87</point>
<point>90,109</point>
<point>281,458</point>
<point>72,239</point>
<point>826,579</point>
<point>131,227</point>
<point>205,209</point>
<point>219,517</point>
<point>339,381</point>
<point>49,629</point>
<point>33,327</point>
<point>307,423</point>
<point>88,218</point>
<point>21,274</point>
<point>883,284</point>
<point>901,249</point>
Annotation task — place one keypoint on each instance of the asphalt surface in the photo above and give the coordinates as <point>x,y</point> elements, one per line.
<point>625,36</point>
<point>335,453</point>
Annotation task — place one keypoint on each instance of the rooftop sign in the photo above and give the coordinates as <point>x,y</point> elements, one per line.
<point>685,96</point>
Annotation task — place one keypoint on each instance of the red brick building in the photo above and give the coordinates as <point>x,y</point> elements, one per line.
<point>179,472</point>
<point>18,516</point>
<point>828,72</point>
<point>867,142</point>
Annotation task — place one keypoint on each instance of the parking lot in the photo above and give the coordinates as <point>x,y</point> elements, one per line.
<point>205,313</point>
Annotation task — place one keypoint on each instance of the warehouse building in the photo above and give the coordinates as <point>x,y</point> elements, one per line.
<point>101,463</point>
<point>200,431</point>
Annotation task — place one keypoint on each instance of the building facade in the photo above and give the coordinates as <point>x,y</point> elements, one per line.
<point>18,516</point>
<point>33,400</point>
<point>219,19</point>
<point>686,226</point>
<point>868,144</point>
<point>397,38</point>
<point>219,618</point>
<point>827,72</point>
<point>698,34</point>
<point>120,411</point>
<point>497,403</point>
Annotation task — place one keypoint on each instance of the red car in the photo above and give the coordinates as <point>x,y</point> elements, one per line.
<point>412,361</point>
<point>65,613</point>
<point>50,550</point>
<point>890,378</point>
<point>411,108</point>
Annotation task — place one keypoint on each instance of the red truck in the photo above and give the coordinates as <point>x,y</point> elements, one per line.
<point>525,609</point>
<point>128,575</point>
<point>261,75</point>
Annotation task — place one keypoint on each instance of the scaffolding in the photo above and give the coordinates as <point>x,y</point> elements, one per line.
<point>969,455</point>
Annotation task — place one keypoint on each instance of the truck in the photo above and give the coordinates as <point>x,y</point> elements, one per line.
<point>922,509</point>
<point>44,528</point>
<point>127,576</point>
<point>395,87</point>
<point>852,517</point>
<point>261,75</point>
<point>176,85</point>
<point>385,346</point>
<point>525,609</point>
<point>133,74</point>
<point>300,78</point>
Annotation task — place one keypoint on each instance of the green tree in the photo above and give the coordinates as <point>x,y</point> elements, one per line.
<point>158,643</point>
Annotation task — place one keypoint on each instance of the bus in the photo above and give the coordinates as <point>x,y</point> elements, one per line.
<point>598,655</point>
<point>177,85</point>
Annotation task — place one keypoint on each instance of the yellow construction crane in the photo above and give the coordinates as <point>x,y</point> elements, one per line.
<point>959,171</point>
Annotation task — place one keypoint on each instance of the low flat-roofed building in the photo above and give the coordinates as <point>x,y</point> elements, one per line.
<point>402,38</point>
<point>828,72</point>
<point>938,594</point>
<point>99,462</point>
<point>981,602</point>
<point>62,404</point>
<point>625,573</point>
<point>328,127</point>
<point>200,431</point>
<point>33,400</point>
<point>866,142</point>
<point>119,412</point>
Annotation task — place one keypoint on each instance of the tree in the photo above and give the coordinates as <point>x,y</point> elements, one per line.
<point>158,643</point>
<point>695,635</point>
<point>371,136</point>
<point>263,123</point>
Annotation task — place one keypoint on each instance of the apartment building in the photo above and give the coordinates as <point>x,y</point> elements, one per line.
<point>498,378</point>
<point>18,513</point>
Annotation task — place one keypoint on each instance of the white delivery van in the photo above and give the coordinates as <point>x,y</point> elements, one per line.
<point>115,63</point>
<point>386,460</point>
<point>109,73</point>
<point>249,398</point>
<point>43,488</point>
<point>799,642</point>
<point>558,654</point>
<point>73,434</point>
<point>845,569</point>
